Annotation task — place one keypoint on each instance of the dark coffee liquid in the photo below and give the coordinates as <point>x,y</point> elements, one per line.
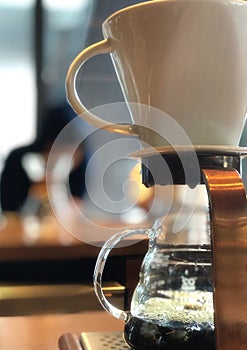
<point>144,335</point>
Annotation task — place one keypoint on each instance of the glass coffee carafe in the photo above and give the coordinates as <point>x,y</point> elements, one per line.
<point>172,305</point>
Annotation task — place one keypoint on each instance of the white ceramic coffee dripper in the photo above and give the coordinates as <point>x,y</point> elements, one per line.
<point>185,58</point>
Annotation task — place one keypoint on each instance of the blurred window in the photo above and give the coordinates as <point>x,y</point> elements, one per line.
<point>65,27</point>
<point>38,40</point>
<point>17,82</point>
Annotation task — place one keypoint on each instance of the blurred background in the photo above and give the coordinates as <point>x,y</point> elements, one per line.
<point>38,40</point>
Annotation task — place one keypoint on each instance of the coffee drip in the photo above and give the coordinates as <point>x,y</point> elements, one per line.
<point>182,69</point>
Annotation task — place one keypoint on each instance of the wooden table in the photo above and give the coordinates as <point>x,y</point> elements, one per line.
<point>26,239</point>
<point>42,332</point>
<point>22,243</point>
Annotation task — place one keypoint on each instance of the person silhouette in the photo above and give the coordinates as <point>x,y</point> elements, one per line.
<point>15,182</point>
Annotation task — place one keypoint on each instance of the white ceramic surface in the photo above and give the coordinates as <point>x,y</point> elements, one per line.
<point>213,150</point>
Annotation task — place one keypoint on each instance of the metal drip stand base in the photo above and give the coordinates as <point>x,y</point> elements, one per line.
<point>103,341</point>
<point>93,341</point>
<point>158,162</point>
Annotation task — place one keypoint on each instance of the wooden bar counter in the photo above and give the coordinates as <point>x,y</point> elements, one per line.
<point>42,332</point>
<point>27,239</point>
<point>20,246</point>
<point>45,252</point>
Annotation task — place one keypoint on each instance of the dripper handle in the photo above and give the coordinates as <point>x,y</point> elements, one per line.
<point>100,47</point>
<point>99,268</point>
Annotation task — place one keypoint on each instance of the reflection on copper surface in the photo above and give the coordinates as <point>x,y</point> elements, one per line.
<point>229,240</point>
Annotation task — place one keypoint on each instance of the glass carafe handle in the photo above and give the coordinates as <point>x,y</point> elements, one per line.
<point>99,268</point>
